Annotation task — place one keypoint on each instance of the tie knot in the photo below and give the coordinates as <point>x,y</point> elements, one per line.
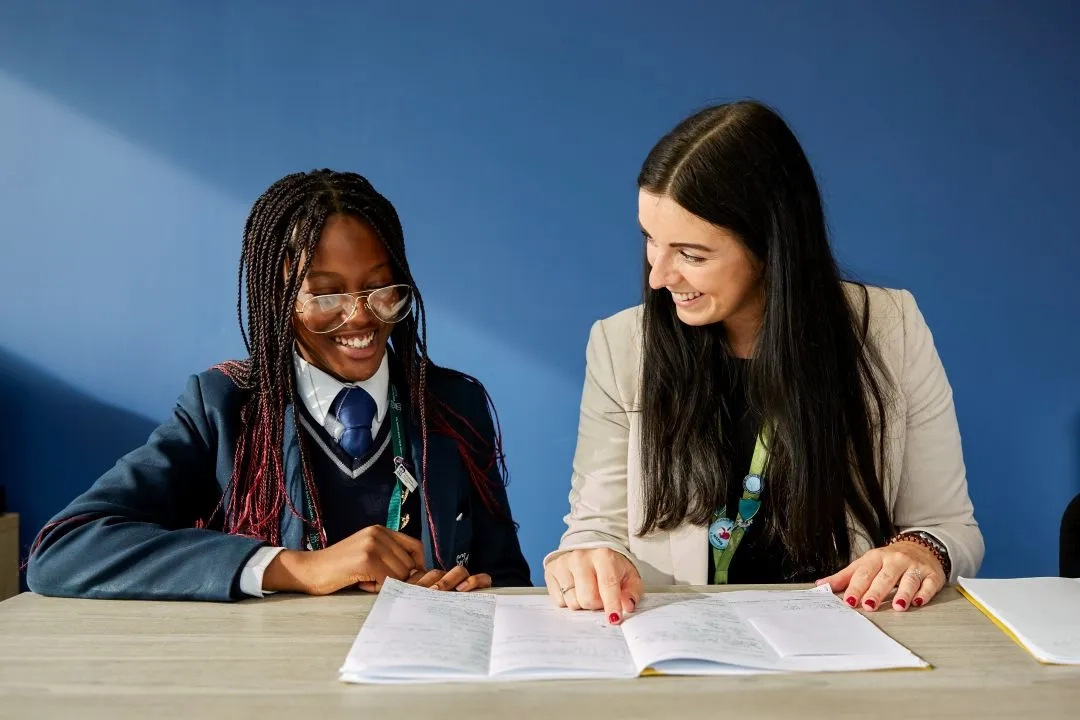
<point>354,408</point>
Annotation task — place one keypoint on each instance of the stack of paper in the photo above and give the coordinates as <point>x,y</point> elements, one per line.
<point>1041,614</point>
<point>418,635</point>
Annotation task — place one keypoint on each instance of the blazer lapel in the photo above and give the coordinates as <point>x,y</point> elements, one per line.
<point>292,527</point>
<point>439,496</point>
<point>689,554</point>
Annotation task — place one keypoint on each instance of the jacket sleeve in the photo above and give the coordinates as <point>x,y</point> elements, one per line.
<point>599,514</point>
<point>933,492</point>
<point>131,535</point>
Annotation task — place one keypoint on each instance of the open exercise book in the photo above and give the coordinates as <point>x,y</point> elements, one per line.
<point>418,635</point>
<point>1041,614</point>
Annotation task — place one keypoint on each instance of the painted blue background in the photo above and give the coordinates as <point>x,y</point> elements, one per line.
<point>134,137</point>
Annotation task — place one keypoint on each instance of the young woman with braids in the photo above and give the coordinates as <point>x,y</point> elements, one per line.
<point>335,456</point>
<point>758,420</point>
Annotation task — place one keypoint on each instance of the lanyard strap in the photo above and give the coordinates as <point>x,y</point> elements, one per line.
<point>405,482</point>
<point>726,534</point>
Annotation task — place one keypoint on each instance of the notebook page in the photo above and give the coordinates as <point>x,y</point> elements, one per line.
<point>1042,613</point>
<point>532,638</point>
<point>814,631</point>
<point>415,634</point>
<point>691,631</point>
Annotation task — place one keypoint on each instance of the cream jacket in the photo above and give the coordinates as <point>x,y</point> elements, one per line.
<point>924,481</point>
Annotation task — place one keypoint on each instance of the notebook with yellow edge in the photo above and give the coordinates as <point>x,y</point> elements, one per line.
<point>1040,614</point>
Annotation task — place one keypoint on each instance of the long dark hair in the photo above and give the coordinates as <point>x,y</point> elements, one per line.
<point>282,230</point>
<point>815,375</point>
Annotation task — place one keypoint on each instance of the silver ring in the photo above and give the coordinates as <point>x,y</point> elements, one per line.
<point>917,573</point>
<point>566,589</point>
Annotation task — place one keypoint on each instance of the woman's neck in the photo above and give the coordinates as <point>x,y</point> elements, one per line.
<point>742,328</point>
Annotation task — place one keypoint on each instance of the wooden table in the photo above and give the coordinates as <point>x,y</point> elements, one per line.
<point>279,656</point>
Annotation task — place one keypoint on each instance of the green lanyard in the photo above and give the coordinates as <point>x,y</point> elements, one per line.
<point>724,533</point>
<point>405,484</point>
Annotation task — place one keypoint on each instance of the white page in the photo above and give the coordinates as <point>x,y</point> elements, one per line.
<point>813,630</point>
<point>1043,613</point>
<point>419,634</point>
<point>689,631</point>
<point>534,639</point>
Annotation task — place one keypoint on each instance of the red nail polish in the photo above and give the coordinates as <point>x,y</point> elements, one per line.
<point>918,602</point>
<point>869,603</point>
<point>613,618</point>
<point>851,601</point>
<point>900,604</point>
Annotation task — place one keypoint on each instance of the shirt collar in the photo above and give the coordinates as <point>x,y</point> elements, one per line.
<point>318,389</point>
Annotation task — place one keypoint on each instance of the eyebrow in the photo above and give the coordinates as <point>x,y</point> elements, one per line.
<point>678,246</point>
<point>331,275</point>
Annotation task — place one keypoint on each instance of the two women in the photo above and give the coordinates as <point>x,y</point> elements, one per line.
<point>756,420</point>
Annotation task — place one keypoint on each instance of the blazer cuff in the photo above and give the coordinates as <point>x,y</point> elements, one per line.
<point>591,545</point>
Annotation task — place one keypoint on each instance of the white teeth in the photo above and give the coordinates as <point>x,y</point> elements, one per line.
<point>356,342</point>
<point>685,297</point>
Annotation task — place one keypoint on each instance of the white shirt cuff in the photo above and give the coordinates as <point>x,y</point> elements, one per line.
<point>251,577</point>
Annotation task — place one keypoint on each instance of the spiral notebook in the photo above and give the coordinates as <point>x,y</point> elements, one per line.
<point>418,635</point>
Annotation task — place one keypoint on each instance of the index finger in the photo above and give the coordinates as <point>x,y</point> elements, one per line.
<point>610,585</point>
<point>411,545</point>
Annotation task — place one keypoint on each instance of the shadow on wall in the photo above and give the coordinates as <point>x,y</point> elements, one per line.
<point>56,441</point>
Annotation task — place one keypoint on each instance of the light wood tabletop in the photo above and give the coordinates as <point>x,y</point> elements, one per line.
<point>279,656</point>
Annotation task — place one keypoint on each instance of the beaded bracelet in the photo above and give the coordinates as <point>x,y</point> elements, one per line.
<point>929,542</point>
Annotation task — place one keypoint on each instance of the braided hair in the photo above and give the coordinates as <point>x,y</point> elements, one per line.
<point>280,237</point>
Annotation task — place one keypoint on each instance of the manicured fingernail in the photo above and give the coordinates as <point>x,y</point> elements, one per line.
<point>613,618</point>
<point>869,603</point>
<point>851,601</point>
<point>918,602</point>
<point>900,603</point>
<point>462,586</point>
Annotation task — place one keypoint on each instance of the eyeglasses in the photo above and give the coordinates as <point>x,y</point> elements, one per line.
<point>327,313</point>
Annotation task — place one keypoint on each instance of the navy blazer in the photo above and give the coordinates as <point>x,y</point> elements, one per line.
<point>133,534</point>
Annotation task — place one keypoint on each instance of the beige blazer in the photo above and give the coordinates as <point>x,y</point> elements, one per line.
<point>924,482</point>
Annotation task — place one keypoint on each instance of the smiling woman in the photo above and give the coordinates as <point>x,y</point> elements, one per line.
<point>335,456</point>
<point>758,419</point>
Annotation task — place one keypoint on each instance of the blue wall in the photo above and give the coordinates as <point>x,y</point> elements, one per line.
<point>134,137</point>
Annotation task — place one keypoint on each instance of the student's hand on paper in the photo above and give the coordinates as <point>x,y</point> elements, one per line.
<point>457,579</point>
<point>908,567</point>
<point>364,559</point>
<point>599,579</point>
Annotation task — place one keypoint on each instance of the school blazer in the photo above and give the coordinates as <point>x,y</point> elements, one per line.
<point>923,475</point>
<point>133,534</point>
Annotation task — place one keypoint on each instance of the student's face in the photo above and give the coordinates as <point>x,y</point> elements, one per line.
<point>349,257</point>
<point>710,273</point>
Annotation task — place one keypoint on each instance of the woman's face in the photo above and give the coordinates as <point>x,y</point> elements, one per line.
<point>711,274</point>
<point>348,258</point>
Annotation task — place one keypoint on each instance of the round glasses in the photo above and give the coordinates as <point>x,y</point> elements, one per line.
<point>327,313</point>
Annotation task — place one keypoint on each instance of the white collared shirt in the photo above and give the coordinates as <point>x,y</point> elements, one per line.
<point>317,390</point>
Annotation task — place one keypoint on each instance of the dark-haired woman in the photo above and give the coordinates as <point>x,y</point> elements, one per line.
<point>335,456</point>
<point>758,419</point>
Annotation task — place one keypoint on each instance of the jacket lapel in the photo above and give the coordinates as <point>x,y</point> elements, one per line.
<point>439,496</point>
<point>292,527</point>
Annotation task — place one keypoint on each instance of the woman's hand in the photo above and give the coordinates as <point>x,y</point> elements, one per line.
<point>457,579</point>
<point>594,580</point>
<point>364,559</point>
<point>908,567</point>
